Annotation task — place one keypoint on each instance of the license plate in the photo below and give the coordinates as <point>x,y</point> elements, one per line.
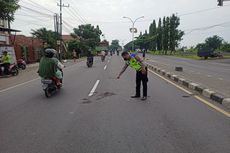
<point>44,86</point>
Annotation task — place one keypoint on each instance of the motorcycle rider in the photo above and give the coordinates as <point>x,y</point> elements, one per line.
<point>48,66</point>
<point>90,57</point>
<point>103,54</point>
<point>6,61</point>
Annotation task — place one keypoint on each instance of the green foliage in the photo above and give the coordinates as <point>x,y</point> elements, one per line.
<point>128,46</point>
<point>47,36</point>
<point>214,42</point>
<point>115,45</point>
<point>153,33</point>
<point>225,47</point>
<point>211,43</point>
<point>159,35</point>
<point>175,35</point>
<point>164,38</point>
<point>89,35</point>
<point>73,45</point>
<point>8,8</point>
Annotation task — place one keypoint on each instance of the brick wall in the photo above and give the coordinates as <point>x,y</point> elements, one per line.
<point>27,47</point>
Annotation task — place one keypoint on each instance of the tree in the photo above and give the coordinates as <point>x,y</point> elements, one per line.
<point>165,35</point>
<point>89,35</point>
<point>225,47</point>
<point>115,45</point>
<point>7,9</point>
<point>153,33</point>
<point>73,45</point>
<point>128,46</point>
<point>48,36</point>
<point>202,46</point>
<point>214,42</point>
<point>159,36</point>
<point>175,34</point>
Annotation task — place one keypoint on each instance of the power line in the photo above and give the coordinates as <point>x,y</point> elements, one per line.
<point>36,4</point>
<point>74,17</point>
<point>33,16</point>
<point>206,28</point>
<point>200,11</point>
<point>78,12</point>
<point>24,7</point>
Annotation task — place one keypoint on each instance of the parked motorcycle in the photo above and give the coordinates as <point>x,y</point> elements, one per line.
<point>21,64</point>
<point>13,70</point>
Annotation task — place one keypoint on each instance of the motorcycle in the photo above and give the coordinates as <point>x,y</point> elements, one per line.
<point>21,64</point>
<point>89,62</point>
<point>50,85</point>
<point>13,70</point>
<point>102,58</point>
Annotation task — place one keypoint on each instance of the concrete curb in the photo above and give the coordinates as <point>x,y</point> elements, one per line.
<point>193,86</point>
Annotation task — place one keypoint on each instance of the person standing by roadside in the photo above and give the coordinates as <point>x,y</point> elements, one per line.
<point>135,62</point>
<point>74,55</point>
<point>144,54</point>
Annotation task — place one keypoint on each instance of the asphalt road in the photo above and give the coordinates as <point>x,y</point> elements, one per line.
<point>109,121</point>
<point>213,74</point>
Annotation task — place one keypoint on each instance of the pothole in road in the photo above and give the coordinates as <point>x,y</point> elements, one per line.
<point>104,95</point>
<point>86,101</point>
<point>186,96</point>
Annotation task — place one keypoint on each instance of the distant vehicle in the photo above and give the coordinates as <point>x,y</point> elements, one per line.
<point>209,53</point>
<point>21,64</point>
<point>89,61</point>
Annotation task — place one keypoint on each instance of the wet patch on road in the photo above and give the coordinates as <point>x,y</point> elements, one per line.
<point>188,96</point>
<point>86,101</point>
<point>104,95</point>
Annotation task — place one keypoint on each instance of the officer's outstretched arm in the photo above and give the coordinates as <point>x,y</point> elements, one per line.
<point>122,71</point>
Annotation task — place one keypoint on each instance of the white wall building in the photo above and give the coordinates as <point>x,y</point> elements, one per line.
<point>4,36</point>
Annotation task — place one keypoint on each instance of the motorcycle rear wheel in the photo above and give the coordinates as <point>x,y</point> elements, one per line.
<point>48,92</point>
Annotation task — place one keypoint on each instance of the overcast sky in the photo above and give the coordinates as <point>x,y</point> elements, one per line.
<point>108,15</point>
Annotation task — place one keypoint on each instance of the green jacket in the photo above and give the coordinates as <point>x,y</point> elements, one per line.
<point>47,67</point>
<point>6,59</point>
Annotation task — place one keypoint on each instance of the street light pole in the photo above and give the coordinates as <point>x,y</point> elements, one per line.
<point>133,23</point>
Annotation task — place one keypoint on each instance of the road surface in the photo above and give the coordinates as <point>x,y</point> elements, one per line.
<point>213,74</point>
<point>108,121</point>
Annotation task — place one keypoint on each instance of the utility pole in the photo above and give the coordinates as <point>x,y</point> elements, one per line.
<point>60,27</point>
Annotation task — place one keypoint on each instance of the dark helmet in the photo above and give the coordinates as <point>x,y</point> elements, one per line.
<point>50,52</point>
<point>5,52</point>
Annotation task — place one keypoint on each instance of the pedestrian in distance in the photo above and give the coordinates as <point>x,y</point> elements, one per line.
<point>144,54</point>
<point>74,55</point>
<point>135,62</point>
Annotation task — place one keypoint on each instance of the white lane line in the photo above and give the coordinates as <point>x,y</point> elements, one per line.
<point>94,88</point>
<point>105,67</point>
<point>18,85</point>
<point>197,97</point>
